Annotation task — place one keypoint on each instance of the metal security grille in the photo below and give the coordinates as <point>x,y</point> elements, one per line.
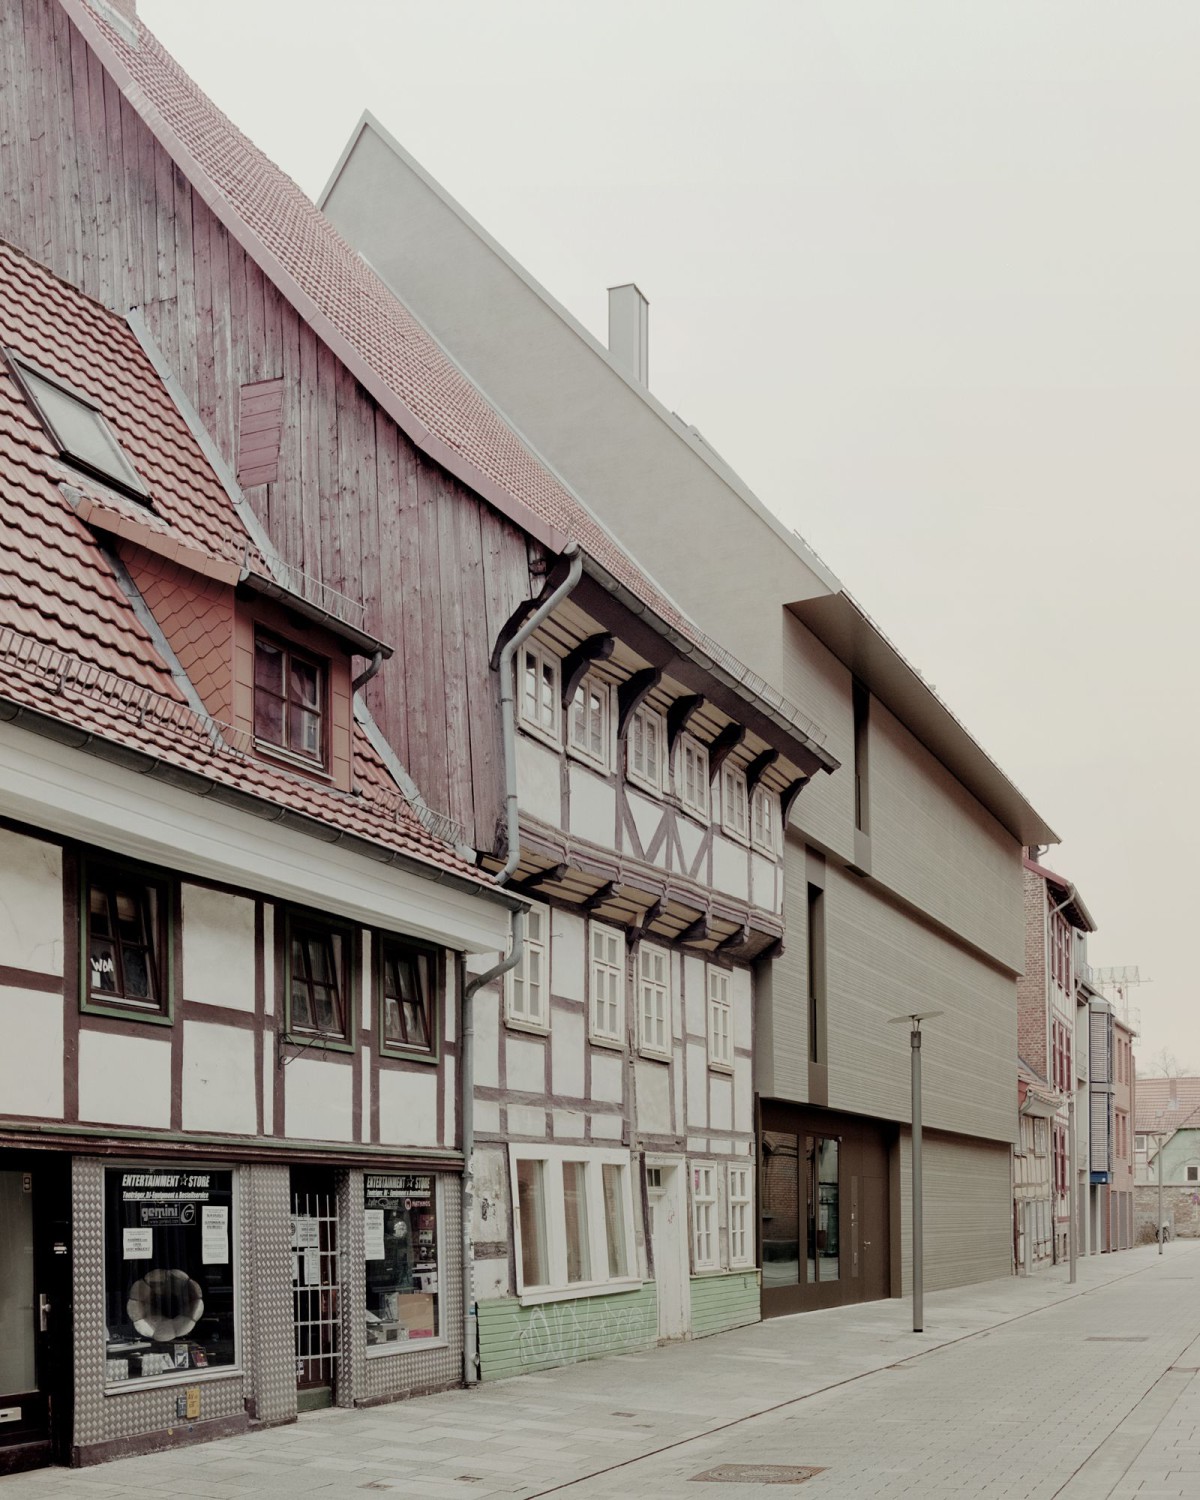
<point>316,1289</point>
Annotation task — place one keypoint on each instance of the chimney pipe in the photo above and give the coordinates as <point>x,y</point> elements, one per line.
<point>629,331</point>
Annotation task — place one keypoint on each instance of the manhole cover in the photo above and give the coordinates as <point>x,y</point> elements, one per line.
<point>1117,1338</point>
<point>757,1474</point>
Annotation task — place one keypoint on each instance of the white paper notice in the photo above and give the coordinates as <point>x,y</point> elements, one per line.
<point>139,1244</point>
<point>373,1233</point>
<point>312,1267</point>
<point>214,1234</point>
<point>306,1233</point>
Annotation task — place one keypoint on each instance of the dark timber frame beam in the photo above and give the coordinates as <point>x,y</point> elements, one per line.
<point>736,939</point>
<point>576,663</point>
<point>552,873</point>
<point>696,933</point>
<point>678,715</point>
<point>728,740</point>
<point>600,895</point>
<point>639,930</point>
<point>632,694</point>
<point>788,797</point>
<point>758,768</point>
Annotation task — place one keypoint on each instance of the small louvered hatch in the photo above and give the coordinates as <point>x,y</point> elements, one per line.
<point>260,423</point>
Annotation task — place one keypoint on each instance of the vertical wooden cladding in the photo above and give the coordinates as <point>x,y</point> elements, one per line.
<point>86,189</point>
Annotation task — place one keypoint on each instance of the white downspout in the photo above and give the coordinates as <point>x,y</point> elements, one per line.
<point>468,988</point>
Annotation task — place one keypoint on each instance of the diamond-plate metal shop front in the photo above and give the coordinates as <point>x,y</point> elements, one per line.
<point>123,1415</point>
<point>410,1370</point>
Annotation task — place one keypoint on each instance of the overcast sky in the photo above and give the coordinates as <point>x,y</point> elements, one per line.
<point>925,274</point>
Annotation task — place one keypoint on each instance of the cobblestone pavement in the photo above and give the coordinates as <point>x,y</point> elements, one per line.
<point>1017,1388</point>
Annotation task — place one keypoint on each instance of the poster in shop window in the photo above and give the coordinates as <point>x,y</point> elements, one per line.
<point>401,1254</point>
<point>168,1273</point>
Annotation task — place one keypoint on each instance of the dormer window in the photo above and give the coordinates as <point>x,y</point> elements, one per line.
<point>79,431</point>
<point>289,699</point>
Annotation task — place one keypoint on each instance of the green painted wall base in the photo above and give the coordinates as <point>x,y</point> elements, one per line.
<point>721,1302</point>
<point>514,1340</point>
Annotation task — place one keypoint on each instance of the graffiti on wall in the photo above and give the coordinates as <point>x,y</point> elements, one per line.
<point>565,1333</point>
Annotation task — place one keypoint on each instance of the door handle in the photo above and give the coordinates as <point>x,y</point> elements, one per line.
<point>43,1312</point>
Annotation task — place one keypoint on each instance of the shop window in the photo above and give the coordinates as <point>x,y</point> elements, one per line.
<point>125,941</point>
<point>762,820</point>
<point>588,721</point>
<point>573,1216</point>
<point>741,1242</point>
<point>537,691</point>
<point>692,776</point>
<point>647,735</point>
<point>735,812</point>
<point>527,1003</point>
<point>607,983</point>
<point>318,980</point>
<point>80,432</point>
<point>704,1218</point>
<point>169,1285</point>
<point>654,1012</point>
<point>720,1020</point>
<point>408,992</point>
<point>403,1261</point>
<point>824,1202</point>
<point>289,700</point>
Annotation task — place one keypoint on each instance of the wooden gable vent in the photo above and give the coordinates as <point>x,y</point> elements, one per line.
<point>260,425</point>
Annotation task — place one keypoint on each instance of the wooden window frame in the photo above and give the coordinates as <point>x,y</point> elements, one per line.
<point>594,1159</point>
<point>705,1208</point>
<point>596,1032</point>
<point>719,1015</point>
<point>162,919</point>
<point>601,761</point>
<point>523,1021</point>
<point>649,783</point>
<point>765,842</point>
<point>385,946</point>
<point>321,665</point>
<point>550,732</point>
<point>689,745</point>
<point>740,1194</point>
<point>652,1049</point>
<point>733,778</point>
<point>296,921</point>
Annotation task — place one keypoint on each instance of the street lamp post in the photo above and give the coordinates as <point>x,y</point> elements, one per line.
<point>1159,1153</point>
<point>914,1018</point>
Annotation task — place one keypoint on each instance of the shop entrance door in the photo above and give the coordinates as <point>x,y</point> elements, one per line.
<point>316,1288</point>
<point>34,1306</point>
<point>665,1193</point>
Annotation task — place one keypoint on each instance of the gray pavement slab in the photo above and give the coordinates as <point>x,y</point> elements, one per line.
<point>1017,1389</point>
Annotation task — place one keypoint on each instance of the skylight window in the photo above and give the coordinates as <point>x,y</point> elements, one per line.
<point>82,435</point>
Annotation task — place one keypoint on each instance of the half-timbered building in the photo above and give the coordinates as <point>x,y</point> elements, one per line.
<point>232,938</point>
<point>618,769</point>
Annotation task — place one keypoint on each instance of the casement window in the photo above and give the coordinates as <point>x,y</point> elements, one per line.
<point>79,431</point>
<point>735,812</point>
<point>125,940</point>
<point>741,1235</point>
<point>720,1020</point>
<point>762,820</point>
<point>527,998</point>
<point>318,979</point>
<point>588,722</point>
<point>654,1000</point>
<point>572,1219</point>
<point>607,983</point>
<point>646,738</point>
<point>704,1218</point>
<point>289,699</point>
<point>408,978</point>
<point>1039,1137</point>
<point>1193,1174</point>
<point>692,776</point>
<point>537,691</point>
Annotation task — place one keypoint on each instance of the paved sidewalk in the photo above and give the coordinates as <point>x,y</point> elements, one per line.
<point>1018,1388</point>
